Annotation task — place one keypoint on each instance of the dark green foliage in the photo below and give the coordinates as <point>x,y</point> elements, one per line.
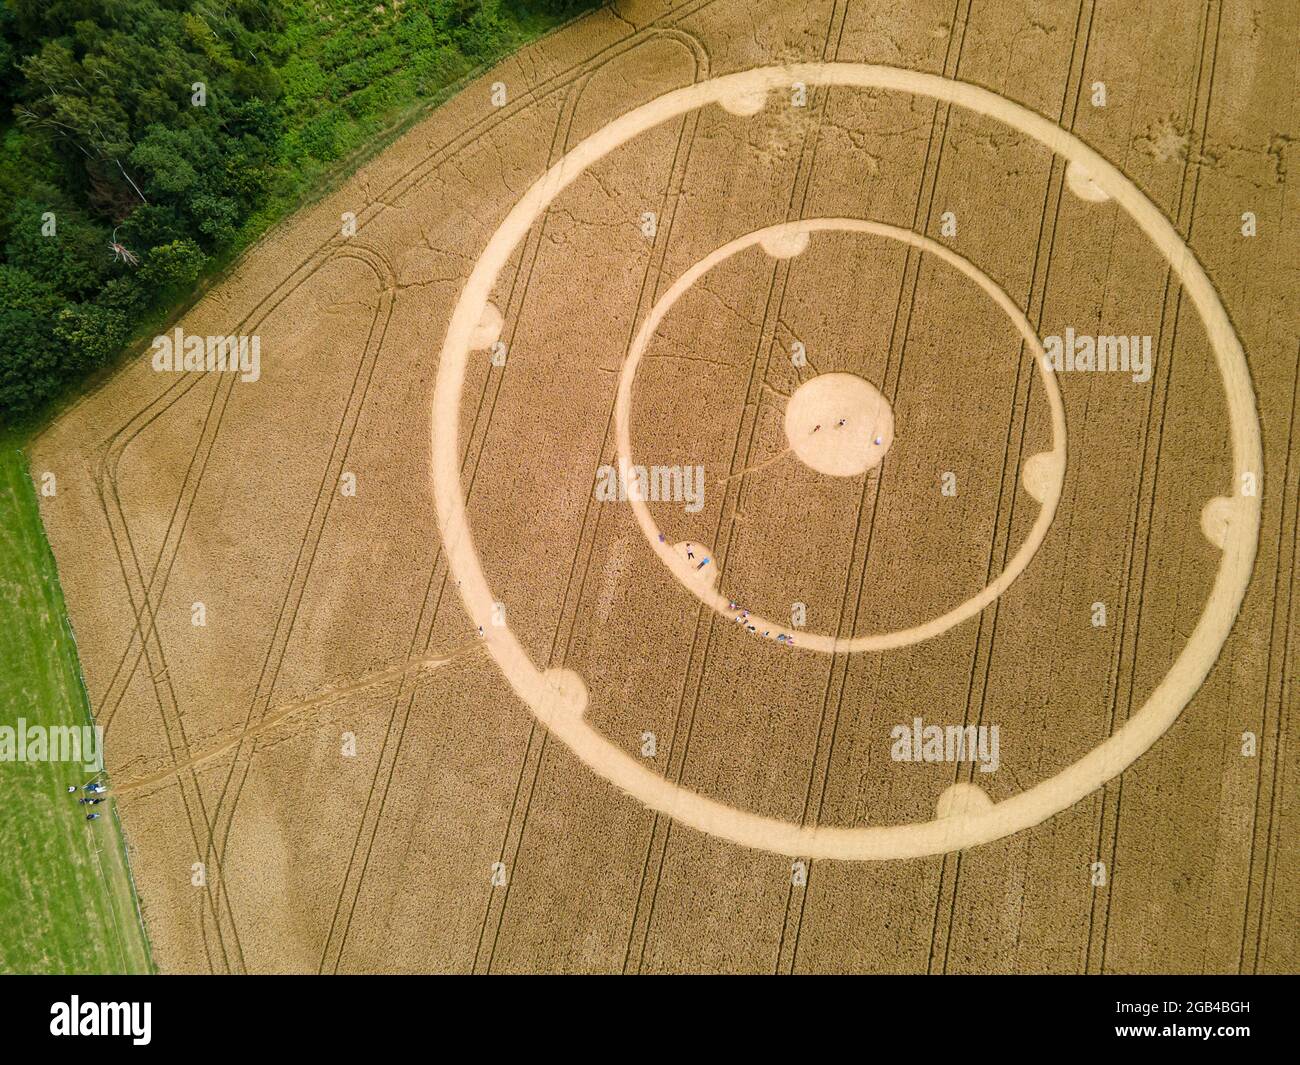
<point>30,366</point>
<point>74,260</point>
<point>178,130</point>
<point>559,8</point>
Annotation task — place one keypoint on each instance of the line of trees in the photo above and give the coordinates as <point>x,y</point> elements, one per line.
<point>139,137</point>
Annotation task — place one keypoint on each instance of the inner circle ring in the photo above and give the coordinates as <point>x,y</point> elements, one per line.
<point>564,716</point>
<point>778,235</point>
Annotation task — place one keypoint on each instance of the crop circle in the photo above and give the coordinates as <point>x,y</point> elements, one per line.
<point>558,700</point>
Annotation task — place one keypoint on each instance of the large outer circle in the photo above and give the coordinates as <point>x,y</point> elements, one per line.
<point>564,717</point>
<point>785,235</point>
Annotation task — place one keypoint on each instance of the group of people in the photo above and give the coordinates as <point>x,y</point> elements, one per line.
<point>742,615</point>
<point>95,790</point>
<point>742,618</point>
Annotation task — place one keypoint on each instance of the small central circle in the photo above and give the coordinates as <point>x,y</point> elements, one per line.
<point>839,424</point>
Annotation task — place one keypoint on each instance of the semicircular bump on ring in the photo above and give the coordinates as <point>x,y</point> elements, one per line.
<point>488,330</point>
<point>1040,472</point>
<point>1216,518</point>
<point>564,694</point>
<point>744,102</point>
<point>961,800</point>
<point>1082,185</point>
<point>700,560</point>
<point>784,245</point>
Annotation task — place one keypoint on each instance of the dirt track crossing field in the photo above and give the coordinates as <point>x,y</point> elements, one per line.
<point>322,763</point>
